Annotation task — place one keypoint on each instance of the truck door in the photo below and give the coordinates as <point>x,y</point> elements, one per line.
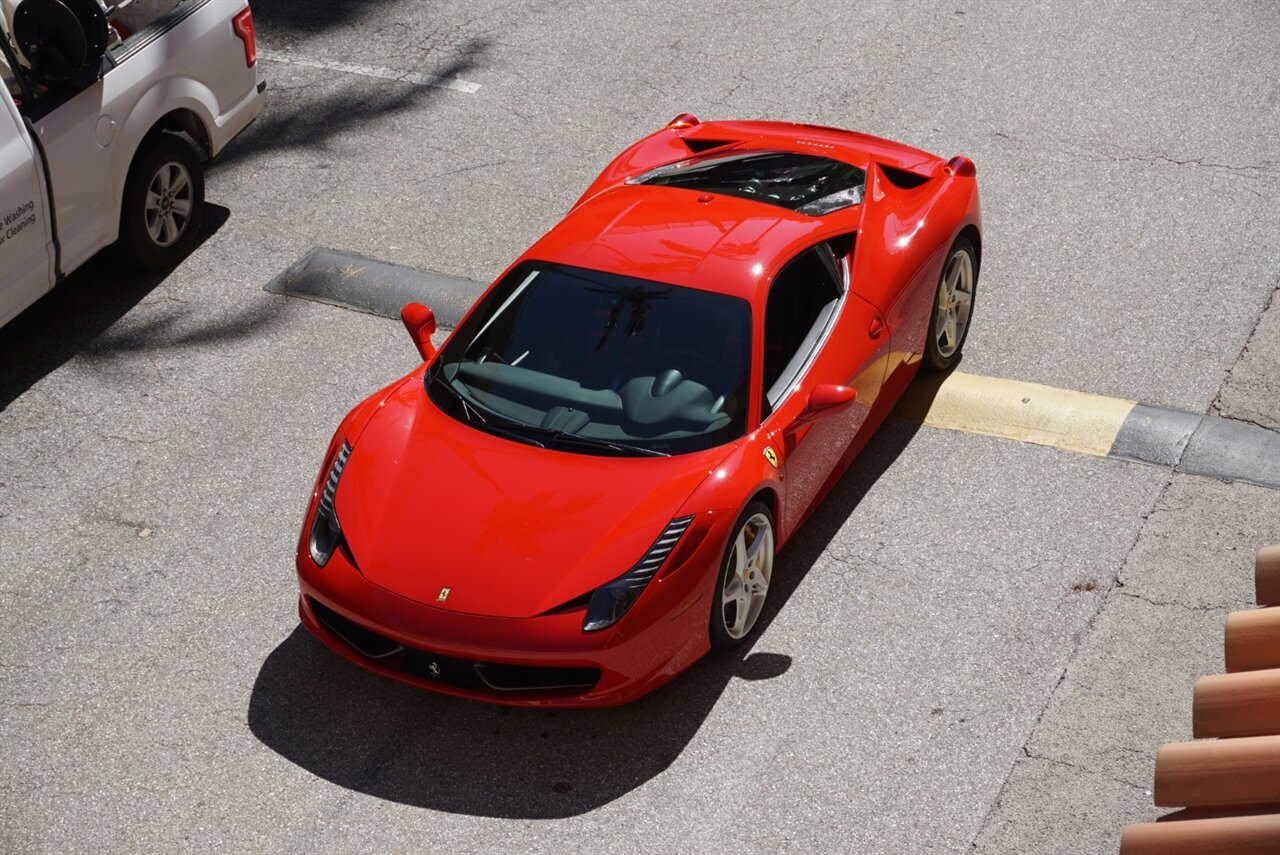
<point>26,264</point>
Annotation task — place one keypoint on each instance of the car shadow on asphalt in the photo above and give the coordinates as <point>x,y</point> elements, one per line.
<point>406,745</point>
<point>69,318</point>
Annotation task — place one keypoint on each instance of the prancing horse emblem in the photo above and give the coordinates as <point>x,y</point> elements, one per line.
<point>444,595</point>
<point>771,456</point>
<point>434,669</point>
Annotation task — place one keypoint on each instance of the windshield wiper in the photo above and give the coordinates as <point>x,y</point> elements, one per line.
<point>596,442</point>
<point>437,377</point>
<point>472,413</point>
<point>562,439</point>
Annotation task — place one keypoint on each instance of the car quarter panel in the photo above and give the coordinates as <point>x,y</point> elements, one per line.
<point>903,244</point>
<point>26,270</point>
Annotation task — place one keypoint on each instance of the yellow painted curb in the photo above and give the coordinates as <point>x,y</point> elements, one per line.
<point>1027,412</point>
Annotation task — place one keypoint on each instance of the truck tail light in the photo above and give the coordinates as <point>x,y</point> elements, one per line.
<point>242,25</point>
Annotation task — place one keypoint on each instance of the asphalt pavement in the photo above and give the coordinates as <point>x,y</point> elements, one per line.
<point>976,644</point>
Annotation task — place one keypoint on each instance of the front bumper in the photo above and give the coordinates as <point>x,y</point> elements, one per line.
<point>540,661</point>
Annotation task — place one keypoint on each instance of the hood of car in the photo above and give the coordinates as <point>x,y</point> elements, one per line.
<point>445,514</point>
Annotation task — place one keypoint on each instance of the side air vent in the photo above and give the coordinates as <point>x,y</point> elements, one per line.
<point>661,548</point>
<point>643,571</point>
<point>331,484</point>
<point>326,531</point>
<point>610,602</point>
<point>901,178</point>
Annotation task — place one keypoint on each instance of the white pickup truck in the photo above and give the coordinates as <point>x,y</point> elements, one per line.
<point>107,111</point>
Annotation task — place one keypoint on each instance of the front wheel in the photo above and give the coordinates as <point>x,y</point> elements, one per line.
<point>952,307</point>
<point>163,200</point>
<point>743,583</point>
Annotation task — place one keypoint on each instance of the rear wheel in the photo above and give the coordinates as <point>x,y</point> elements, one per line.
<point>163,201</point>
<point>952,307</point>
<point>743,583</point>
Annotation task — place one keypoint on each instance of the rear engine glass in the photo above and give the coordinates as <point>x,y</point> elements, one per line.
<point>799,182</point>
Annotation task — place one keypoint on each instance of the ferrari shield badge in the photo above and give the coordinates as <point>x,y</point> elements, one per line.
<point>771,456</point>
<point>444,592</point>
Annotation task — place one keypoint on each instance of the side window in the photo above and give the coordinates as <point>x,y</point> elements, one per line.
<point>801,305</point>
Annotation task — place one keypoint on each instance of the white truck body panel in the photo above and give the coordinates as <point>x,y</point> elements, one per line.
<point>190,59</point>
<point>26,248</point>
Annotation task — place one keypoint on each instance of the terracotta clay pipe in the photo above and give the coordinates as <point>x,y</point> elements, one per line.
<point>1219,772</point>
<point>1242,835</point>
<point>1266,576</point>
<point>1244,704</point>
<point>1253,639</point>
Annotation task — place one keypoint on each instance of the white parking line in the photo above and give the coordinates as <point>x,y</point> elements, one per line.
<point>457,84</point>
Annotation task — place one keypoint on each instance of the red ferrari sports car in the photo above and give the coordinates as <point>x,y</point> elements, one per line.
<point>583,490</point>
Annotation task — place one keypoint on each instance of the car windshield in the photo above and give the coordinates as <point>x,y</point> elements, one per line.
<point>799,182</point>
<point>597,363</point>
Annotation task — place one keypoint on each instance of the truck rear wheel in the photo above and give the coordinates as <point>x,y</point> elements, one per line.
<point>163,201</point>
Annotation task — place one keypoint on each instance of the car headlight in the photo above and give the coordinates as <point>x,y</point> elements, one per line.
<point>610,602</point>
<point>326,532</point>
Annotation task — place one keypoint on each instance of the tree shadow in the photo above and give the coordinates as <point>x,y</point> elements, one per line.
<point>303,17</point>
<point>68,319</point>
<point>407,745</point>
<point>316,120</point>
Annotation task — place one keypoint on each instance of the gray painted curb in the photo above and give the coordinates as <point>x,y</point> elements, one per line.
<point>1238,451</point>
<point>374,287</point>
<point>1154,434</point>
<point>1200,445</point>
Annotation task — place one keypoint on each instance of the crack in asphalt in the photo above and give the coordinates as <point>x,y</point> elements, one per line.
<point>1080,638</point>
<point>1145,790</point>
<point>1215,406</point>
<point>1170,603</point>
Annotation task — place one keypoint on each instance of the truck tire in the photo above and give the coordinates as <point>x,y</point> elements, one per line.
<point>163,202</point>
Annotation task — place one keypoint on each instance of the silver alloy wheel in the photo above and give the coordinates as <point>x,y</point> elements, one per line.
<point>955,301</point>
<point>746,583</point>
<point>168,204</point>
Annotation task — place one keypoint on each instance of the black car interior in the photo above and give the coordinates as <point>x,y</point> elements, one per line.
<point>801,305</point>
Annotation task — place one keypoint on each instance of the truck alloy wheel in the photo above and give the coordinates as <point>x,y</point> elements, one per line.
<point>163,200</point>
